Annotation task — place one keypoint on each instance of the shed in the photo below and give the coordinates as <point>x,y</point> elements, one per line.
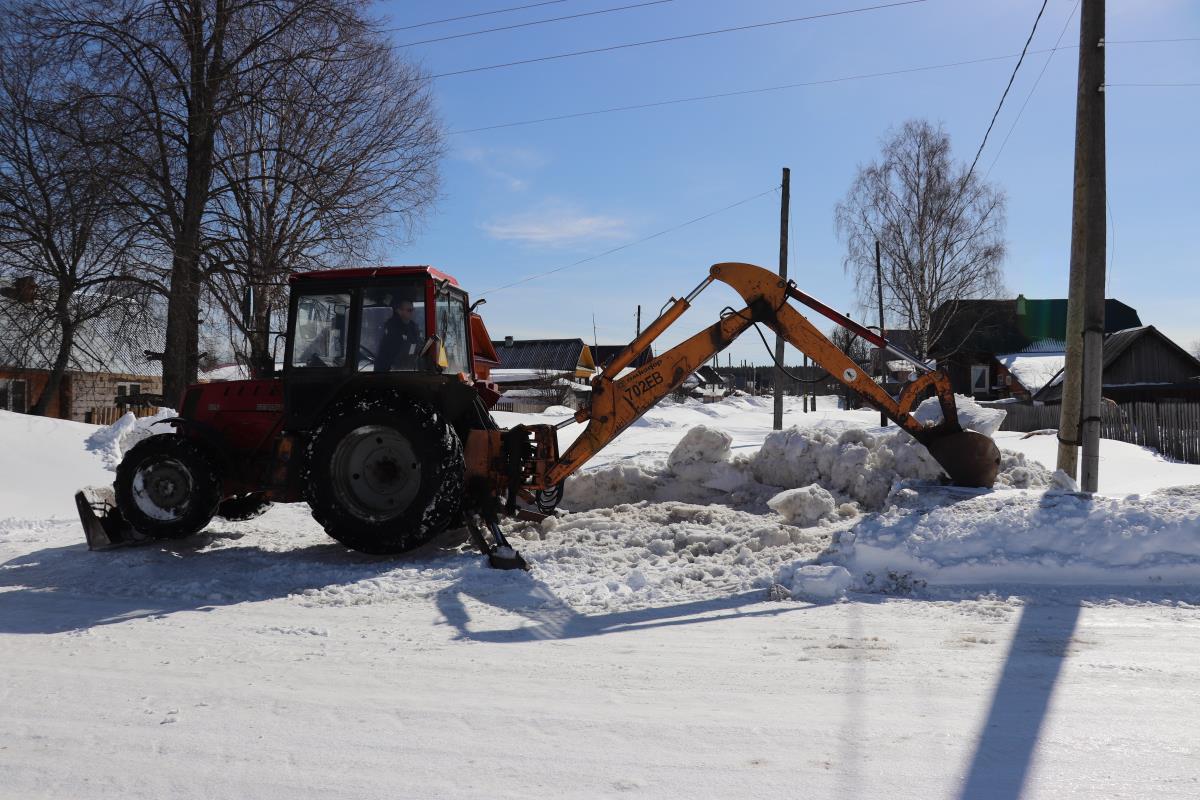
<point>1140,364</point>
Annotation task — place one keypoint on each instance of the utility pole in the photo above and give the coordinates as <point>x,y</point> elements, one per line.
<point>1079,418</point>
<point>639,321</point>
<point>785,191</point>
<point>883,420</point>
<point>804,389</point>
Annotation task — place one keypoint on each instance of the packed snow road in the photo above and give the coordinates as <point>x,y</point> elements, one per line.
<point>710,621</point>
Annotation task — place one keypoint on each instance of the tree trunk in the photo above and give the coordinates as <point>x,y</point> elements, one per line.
<point>65,345</point>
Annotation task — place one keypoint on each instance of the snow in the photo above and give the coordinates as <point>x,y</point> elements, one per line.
<point>725,611</point>
<point>1033,370</point>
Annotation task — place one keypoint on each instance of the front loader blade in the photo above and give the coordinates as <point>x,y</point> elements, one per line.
<point>969,458</point>
<point>103,525</point>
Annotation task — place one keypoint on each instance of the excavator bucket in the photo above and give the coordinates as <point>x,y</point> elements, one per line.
<point>103,525</point>
<point>969,458</point>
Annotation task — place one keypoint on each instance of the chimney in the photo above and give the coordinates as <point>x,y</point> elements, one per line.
<point>508,341</point>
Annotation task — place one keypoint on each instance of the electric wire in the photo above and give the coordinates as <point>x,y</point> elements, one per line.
<point>736,93</point>
<point>780,87</point>
<point>1011,78</point>
<point>535,22</point>
<point>628,245</point>
<point>472,16</point>
<point>680,37</point>
<point>1033,88</point>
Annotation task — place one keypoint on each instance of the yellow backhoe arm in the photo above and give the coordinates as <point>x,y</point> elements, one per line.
<point>969,458</point>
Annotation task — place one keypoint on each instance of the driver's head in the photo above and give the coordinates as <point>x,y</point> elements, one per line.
<point>402,307</point>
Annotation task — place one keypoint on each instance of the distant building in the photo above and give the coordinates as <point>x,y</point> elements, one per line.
<point>105,374</point>
<point>542,372</point>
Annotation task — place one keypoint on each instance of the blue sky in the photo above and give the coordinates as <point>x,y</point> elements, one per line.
<point>522,200</point>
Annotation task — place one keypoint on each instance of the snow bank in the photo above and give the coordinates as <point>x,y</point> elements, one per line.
<point>852,465</point>
<point>971,415</point>
<point>112,441</point>
<point>805,506</point>
<point>938,536</point>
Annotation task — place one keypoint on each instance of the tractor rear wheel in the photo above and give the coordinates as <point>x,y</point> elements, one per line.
<point>167,487</point>
<point>383,474</point>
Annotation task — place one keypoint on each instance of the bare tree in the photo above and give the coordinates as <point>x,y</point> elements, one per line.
<point>63,235</point>
<point>167,72</point>
<point>940,226</point>
<point>850,344</point>
<point>332,153</point>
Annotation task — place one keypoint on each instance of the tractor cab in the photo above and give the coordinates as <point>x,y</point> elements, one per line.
<point>401,327</point>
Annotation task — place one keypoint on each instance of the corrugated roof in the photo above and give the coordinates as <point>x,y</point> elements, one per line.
<point>606,352</point>
<point>563,355</point>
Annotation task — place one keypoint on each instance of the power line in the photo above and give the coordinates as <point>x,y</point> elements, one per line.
<point>740,92</point>
<point>1011,78</point>
<point>681,37</point>
<point>627,245</point>
<point>1033,89</point>
<point>535,22</point>
<point>472,16</point>
<point>1153,85</point>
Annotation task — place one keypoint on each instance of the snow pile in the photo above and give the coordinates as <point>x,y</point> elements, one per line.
<point>936,537</point>
<point>819,581</point>
<point>112,441</point>
<point>971,415</point>
<point>805,506</point>
<point>852,465</point>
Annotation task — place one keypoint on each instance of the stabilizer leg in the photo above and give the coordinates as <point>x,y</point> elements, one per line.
<point>500,553</point>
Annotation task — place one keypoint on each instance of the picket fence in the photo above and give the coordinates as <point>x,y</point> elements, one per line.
<point>1170,427</point>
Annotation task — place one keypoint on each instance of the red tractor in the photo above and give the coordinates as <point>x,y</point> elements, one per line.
<point>380,422</point>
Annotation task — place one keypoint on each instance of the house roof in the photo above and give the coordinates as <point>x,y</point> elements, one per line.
<point>564,355</point>
<point>1008,326</point>
<point>709,375</point>
<point>607,352</point>
<point>1115,345</point>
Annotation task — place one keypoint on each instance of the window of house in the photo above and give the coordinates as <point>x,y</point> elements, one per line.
<point>320,338</point>
<point>127,389</point>
<point>14,396</point>
<point>979,379</point>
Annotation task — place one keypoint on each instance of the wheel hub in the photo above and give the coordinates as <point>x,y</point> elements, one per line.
<point>375,472</point>
<point>162,488</point>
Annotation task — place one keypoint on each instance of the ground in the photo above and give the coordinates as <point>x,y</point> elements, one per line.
<point>692,641</point>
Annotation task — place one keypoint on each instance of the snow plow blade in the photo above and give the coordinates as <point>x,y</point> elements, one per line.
<point>969,458</point>
<point>103,525</point>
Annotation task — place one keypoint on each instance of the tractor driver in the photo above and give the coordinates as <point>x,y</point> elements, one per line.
<point>400,344</point>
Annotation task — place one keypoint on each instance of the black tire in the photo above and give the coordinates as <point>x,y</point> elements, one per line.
<point>167,487</point>
<point>242,507</point>
<point>383,474</point>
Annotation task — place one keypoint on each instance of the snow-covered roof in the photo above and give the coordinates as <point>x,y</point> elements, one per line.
<point>518,375</point>
<point>1033,371</point>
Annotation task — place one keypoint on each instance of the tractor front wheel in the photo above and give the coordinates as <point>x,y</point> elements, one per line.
<point>383,474</point>
<point>167,487</point>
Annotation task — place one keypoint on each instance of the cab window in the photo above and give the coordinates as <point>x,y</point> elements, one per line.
<point>452,326</point>
<point>320,338</point>
<point>392,333</point>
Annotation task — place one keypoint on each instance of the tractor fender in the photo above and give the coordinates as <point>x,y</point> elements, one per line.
<point>204,434</point>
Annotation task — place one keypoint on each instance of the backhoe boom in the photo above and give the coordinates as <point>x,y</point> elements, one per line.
<point>969,458</point>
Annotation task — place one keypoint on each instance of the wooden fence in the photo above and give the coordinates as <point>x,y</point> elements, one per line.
<point>100,415</point>
<point>1170,427</point>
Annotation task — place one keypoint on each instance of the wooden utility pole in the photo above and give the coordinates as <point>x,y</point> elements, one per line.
<point>785,191</point>
<point>883,420</point>
<point>1079,418</point>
